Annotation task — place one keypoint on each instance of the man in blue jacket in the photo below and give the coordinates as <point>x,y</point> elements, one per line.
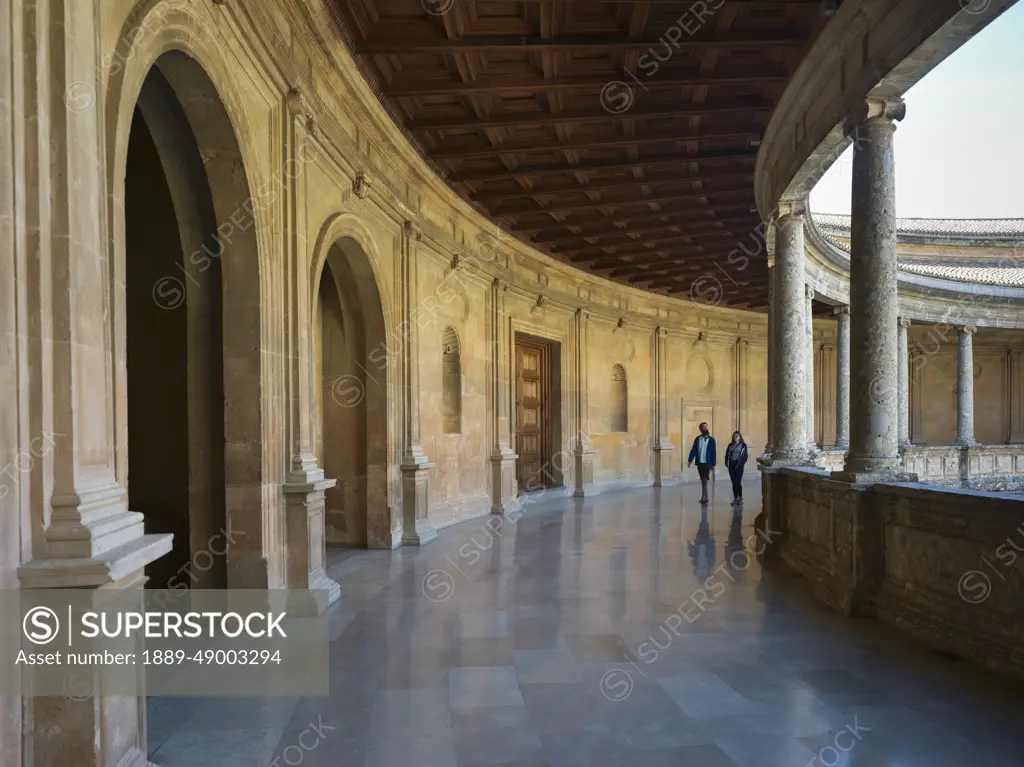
<point>703,452</point>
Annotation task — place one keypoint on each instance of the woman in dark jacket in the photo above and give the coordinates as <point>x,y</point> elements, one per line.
<point>735,460</point>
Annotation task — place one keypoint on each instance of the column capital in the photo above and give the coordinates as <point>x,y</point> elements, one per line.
<point>890,110</point>
<point>969,330</point>
<point>828,348</point>
<point>904,322</point>
<point>841,310</point>
<point>809,291</point>
<point>661,332</point>
<point>583,314</point>
<point>789,208</point>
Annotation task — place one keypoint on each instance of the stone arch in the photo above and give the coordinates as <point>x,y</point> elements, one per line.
<point>451,381</point>
<point>175,73</point>
<point>352,386</point>
<point>619,422</point>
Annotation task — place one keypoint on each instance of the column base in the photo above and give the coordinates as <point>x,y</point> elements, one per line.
<point>583,471</point>
<point>872,478</point>
<point>503,479</point>
<point>312,591</point>
<point>416,528</point>
<point>663,462</point>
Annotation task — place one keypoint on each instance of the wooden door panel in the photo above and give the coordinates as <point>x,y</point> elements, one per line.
<point>532,402</point>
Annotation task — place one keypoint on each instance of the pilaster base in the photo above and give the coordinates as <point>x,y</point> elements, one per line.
<point>416,528</point>
<point>312,591</point>
<point>503,479</point>
<point>583,471</point>
<point>95,730</point>
<point>663,462</point>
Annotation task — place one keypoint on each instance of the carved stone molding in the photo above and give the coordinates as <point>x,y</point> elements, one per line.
<point>361,185</point>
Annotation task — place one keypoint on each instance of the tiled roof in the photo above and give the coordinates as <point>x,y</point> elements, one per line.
<point>974,228</point>
<point>981,275</point>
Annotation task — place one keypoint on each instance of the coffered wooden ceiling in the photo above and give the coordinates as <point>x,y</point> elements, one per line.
<point>619,137</point>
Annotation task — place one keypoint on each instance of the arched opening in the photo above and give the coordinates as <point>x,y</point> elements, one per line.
<point>192,329</point>
<point>354,362</point>
<point>620,401</point>
<point>451,382</point>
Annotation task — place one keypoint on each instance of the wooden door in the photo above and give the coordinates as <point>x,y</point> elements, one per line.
<point>533,425</point>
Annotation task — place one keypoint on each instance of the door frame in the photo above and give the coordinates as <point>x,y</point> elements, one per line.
<point>686,439</point>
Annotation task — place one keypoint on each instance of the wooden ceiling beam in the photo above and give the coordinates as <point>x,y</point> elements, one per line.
<point>597,205</point>
<point>637,235</point>
<point>411,87</point>
<point>697,213</point>
<point>600,226</point>
<point>670,109</point>
<point>628,184</point>
<point>395,45</point>
<point>547,145</point>
<point>605,165</point>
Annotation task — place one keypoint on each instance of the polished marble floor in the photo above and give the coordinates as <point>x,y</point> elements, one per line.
<point>633,629</point>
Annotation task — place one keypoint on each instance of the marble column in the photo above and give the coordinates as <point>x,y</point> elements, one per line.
<point>583,449</point>
<point>503,458</point>
<point>874,416</point>
<point>662,446</point>
<point>843,378</point>
<point>965,386</point>
<point>789,341</point>
<point>416,528</point>
<point>904,383</point>
<point>812,443</point>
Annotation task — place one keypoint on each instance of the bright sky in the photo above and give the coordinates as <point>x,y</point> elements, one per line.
<point>960,149</point>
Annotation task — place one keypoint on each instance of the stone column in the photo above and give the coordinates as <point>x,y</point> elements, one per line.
<point>583,449</point>
<point>662,446</point>
<point>874,416</point>
<point>771,360</point>
<point>416,528</point>
<point>812,443</point>
<point>904,383</point>
<point>965,386</point>
<point>305,485</point>
<point>790,338</point>
<point>843,378</point>
<point>503,459</point>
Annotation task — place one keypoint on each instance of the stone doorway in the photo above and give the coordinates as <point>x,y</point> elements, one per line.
<point>537,413</point>
<point>354,362</point>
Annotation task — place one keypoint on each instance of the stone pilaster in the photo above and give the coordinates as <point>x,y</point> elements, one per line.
<point>503,459</point>
<point>812,443</point>
<point>874,417</point>
<point>77,530</point>
<point>583,450</point>
<point>903,379</point>
<point>416,527</point>
<point>843,377</point>
<point>965,385</point>
<point>305,485</point>
<point>789,339</point>
<point>741,384</point>
<point>662,446</point>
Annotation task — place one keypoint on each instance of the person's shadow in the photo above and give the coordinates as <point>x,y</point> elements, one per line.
<point>702,548</point>
<point>735,556</point>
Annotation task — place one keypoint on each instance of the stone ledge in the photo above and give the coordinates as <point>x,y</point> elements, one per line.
<point>109,567</point>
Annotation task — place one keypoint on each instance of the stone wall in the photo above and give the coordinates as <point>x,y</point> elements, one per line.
<point>938,563</point>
